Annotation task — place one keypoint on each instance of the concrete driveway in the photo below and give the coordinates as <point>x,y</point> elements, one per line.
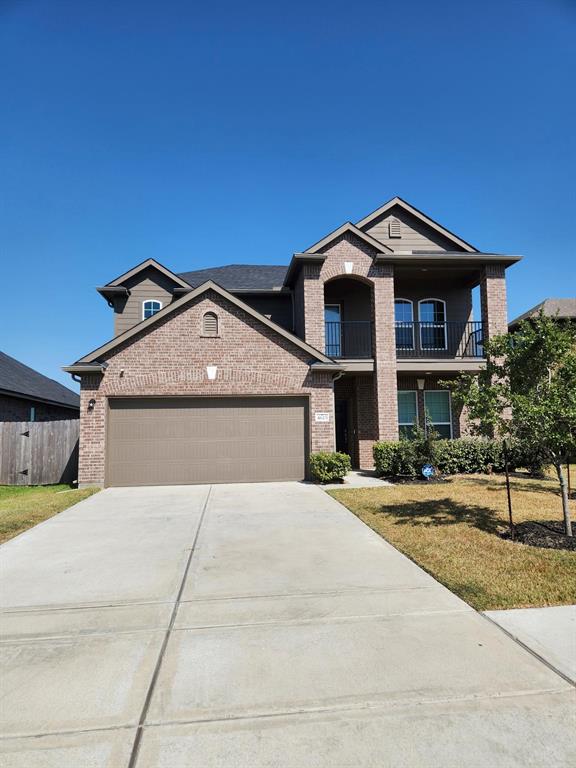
<point>252,626</point>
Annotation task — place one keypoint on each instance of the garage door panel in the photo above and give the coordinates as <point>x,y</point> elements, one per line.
<point>195,440</point>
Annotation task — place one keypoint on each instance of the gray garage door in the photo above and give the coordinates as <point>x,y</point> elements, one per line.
<point>170,441</point>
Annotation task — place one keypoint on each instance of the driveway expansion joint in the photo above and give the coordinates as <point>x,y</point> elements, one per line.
<point>151,688</point>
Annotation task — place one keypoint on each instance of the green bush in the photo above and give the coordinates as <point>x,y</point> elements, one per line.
<point>327,467</point>
<point>463,456</point>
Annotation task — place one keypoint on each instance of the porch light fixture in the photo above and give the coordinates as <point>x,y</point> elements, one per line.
<point>348,267</point>
<point>91,404</point>
<point>420,383</point>
<point>211,370</point>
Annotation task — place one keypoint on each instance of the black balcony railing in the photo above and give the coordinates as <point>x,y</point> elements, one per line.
<point>430,339</point>
<point>349,339</point>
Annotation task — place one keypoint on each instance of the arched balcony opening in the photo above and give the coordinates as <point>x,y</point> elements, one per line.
<point>348,318</point>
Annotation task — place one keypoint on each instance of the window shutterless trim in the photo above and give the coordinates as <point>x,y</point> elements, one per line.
<point>441,423</point>
<point>150,301</point>
<point>416,422</point>
<point>405,325</point>
<point>432,323</point>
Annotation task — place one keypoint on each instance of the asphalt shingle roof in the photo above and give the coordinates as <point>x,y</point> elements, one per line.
<point>19,378</point>
<point>562,308</point>
<point>239,276</point>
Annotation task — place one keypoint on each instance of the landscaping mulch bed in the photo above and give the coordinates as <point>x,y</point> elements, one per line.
<point>548,534</point>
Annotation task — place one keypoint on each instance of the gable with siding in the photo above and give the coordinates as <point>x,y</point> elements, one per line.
<point>415,235</point>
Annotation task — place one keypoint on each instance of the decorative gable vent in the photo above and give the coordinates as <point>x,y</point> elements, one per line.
<point>394,228</point>
<point>210,324</point>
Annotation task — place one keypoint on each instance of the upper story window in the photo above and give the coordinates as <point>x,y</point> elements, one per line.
<point>432,315</point>
<point>150,307</point>
<point>404,316</point>
<point>210,324</point>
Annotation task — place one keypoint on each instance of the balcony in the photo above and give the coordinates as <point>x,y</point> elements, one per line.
<point>349,339</point>
<point>352,340</point>
<point>431,340</point>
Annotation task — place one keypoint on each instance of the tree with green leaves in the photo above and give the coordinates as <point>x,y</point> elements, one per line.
<point>528,393</point>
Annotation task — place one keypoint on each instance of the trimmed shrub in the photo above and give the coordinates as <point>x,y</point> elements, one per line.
<point>450,457</point>
<point>327,467</point>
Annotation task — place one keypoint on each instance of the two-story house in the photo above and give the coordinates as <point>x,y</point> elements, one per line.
<point>237,373</point>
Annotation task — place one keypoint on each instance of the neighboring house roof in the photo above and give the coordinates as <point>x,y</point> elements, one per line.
<point>17,379</point>
<point>397,201</point>
<point>322,362</point>
<point>239,277</point>
<point>563,309</point>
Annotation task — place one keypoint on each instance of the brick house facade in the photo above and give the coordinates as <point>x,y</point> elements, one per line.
<point>350,382</point>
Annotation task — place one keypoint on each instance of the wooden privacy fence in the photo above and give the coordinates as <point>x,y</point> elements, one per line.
<point>38,452</point>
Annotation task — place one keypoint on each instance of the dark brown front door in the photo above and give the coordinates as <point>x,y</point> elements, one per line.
<point>341,413</point>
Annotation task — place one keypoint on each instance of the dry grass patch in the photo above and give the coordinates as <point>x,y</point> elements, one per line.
<point>451,530</point>
<point>22,507</point>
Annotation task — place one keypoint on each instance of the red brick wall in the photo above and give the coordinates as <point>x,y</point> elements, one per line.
<point>18,409</point>
<point>171,359</point>
<point>493,299</point>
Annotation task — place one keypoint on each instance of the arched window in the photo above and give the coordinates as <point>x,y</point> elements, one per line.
<point>150,307</point>
<point>432,316</point>
<point>404,320</point>
<point>210,324</point>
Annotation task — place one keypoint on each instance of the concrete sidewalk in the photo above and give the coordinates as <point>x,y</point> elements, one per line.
<point>251,626</point>
<point>549,632</point>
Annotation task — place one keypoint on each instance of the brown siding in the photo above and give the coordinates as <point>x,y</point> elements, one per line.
<point>415,234</point>
<point>148,284</point>
<point>458,299</point>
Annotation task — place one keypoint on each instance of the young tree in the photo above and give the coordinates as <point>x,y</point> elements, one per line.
<point>528,392</point>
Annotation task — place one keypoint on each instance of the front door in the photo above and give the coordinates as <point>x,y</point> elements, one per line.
<point>341,415</point>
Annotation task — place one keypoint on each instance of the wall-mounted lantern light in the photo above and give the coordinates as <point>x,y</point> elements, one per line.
<point>420,383</point>
<point>91,404</point>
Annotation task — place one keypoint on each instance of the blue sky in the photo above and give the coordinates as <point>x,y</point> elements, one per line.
<point>207,133</point>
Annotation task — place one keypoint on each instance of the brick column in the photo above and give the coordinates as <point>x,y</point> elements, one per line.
<point>493,300</point>
<point>310,303</point>
<point>92,425</point>
<point>385,353</point>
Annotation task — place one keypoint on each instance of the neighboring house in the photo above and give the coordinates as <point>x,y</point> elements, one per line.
<point>236,373</point>
<point>561,309</point>
<point>26,395</point>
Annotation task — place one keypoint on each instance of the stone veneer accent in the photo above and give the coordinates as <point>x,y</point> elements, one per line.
<point>170,359</point>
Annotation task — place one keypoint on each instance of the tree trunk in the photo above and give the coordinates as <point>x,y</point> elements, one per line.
<point>565,502</point>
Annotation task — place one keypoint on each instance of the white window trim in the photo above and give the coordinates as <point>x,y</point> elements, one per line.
<point>441,423</point>
<point>148,301</point>
<point>433,324</point>
<point>405,301</point>
<point>415,424</point>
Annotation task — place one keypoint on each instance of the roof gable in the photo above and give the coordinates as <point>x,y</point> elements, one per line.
<point>182,302</point>
<point>400,203</point>
<point>145,265</point>
<point>342,230</point>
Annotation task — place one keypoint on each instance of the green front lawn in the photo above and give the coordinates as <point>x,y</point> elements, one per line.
<point>450,529</point>
<point>23,506</point>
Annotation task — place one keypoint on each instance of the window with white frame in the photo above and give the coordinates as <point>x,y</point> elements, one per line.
<point>404,322</point>
<point>150,307</point>
<point>432,316</point>
<point>438,411</point>
<point>407,413</point>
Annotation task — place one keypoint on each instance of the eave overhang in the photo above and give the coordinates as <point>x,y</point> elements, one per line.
<point>442,259</point>
<point>85,368</point>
